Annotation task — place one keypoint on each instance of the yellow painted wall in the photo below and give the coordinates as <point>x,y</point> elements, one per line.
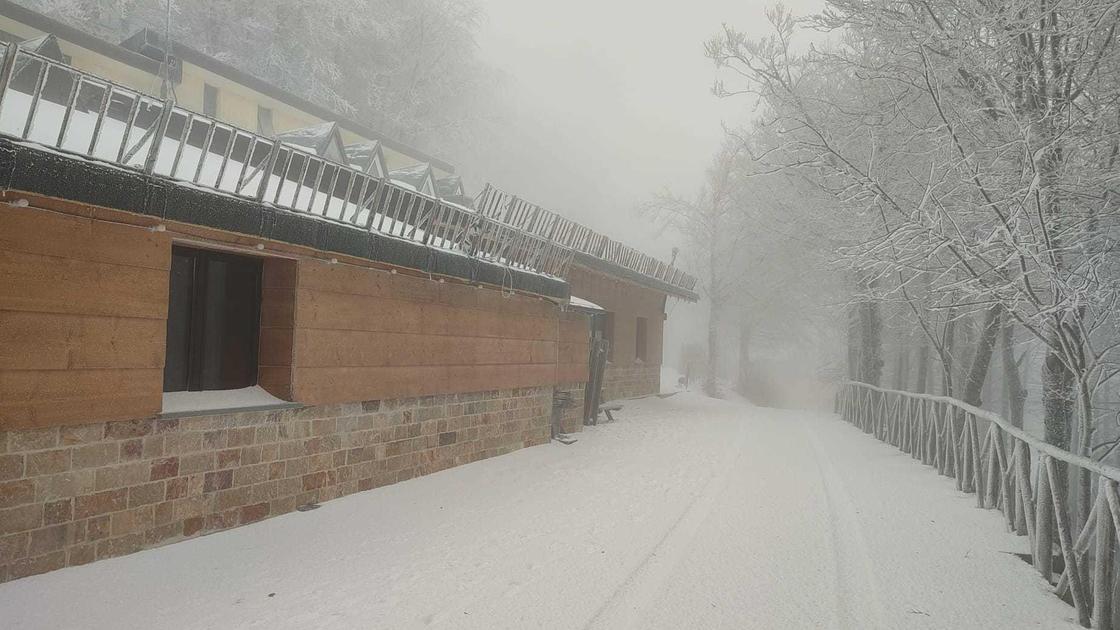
<point>92,62</point>
<point>237,104</point>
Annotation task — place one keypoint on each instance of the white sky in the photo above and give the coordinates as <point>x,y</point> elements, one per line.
<point>611,102</point>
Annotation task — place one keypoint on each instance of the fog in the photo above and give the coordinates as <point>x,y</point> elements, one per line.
<point>603,104</point>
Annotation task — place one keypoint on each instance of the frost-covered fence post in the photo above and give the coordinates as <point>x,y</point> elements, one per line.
<point>974,450</point>
<point>1102,561</point>
<point>269,166</point>
<point>6,71</point>
<point>1043,549</point>
<point>1061,515</point>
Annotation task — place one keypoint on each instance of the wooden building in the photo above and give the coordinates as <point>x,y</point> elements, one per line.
<point>203,325</point>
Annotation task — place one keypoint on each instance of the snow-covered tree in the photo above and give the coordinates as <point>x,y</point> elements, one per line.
<point>408,68</point>
<point>982,138</point>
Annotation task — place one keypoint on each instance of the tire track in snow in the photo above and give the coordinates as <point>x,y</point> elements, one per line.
<point>625,605</point>
<point>858,604</point>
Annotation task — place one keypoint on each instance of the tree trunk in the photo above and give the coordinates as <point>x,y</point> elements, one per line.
<point>853,342</point>
<point>923,369</point>
<point>965,350</point>
<point>902,368</point>
<point>1057,400</point>
<point>982,358</point>
<point>744,357</point>
<point>947,356</point>
<point>1013,384</point>
<point>711,379</point>
<point>1085,448</point>
<point>871,343</point>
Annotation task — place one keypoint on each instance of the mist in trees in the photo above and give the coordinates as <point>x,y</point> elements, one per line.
<point>947,176</point>
<point>408,68</point>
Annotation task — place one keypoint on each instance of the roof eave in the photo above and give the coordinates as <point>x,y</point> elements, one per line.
<point>618,271</point>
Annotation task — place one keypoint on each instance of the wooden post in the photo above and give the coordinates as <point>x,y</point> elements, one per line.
<point>993,471</point>
<point>965,473</point>
<point>1043,548</point>
<point>977,471</point>
<point>1023,481</point>
<point>1102,562</point>
<point>917,439</point>
<point>931,435</point>
<point>1076,587</point>
<point>941,444</point>
<point>955,457</point>
<point>1080,549</point>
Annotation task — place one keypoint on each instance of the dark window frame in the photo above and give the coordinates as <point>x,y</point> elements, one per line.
<point>641,339</point>
<point>213,320</point>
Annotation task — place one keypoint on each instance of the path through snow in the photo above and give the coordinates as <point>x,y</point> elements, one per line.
<point>686,513</point>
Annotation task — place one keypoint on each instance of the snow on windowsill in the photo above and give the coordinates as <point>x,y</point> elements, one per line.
<point>183,403</point>
<point>585,304</point>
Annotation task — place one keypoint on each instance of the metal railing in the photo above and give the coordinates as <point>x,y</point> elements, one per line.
<point>512,210</point>
<point>1025,478</point>
<point>54,104</point>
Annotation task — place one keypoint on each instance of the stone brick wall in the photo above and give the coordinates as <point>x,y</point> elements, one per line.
<point>571,418</point>
<point>71,495</point>
<point>628,381</point>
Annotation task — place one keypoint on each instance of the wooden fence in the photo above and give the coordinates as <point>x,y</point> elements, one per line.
<point>1023,477</point>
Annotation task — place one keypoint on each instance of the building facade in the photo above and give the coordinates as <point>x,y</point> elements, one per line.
<point>203,325</point>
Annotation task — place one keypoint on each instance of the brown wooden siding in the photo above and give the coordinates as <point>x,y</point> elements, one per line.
<point>278,286</point>
<point>83,306</point>
<point>364,334</point>
<point>628,302</point>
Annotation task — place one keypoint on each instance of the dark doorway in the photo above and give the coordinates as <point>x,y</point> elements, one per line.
<point>640,339</point>
<point>602,326</point>
<point>213,321</point>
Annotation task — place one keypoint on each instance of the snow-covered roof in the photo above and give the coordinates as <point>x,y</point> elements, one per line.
<point>450,186</point>
<point>323,139</point>
<point>46,46</point>
<point>367,157</point>
<point>417,176</point>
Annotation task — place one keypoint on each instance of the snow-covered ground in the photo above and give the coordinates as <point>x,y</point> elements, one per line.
<point>685,513</point>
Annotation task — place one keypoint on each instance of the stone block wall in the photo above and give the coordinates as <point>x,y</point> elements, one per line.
<point>74,494</point>
<point>571,418</point>
<point>629,381</point>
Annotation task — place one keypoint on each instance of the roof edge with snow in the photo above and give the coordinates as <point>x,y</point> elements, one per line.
<point>36,170</point>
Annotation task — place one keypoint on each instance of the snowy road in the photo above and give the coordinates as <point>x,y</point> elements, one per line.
<point>686,513</point>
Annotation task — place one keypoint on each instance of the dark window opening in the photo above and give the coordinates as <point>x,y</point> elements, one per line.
<point>209,100</point>
<point>264,121</point>
<point>640,340</point>
<point>213,321</point>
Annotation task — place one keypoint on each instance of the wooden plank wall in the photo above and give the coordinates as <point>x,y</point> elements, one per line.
<point>628,302</point>
<point>363,334</point>
<point>83,308</point>
<point>278,311</point>
<point>574,348</point>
